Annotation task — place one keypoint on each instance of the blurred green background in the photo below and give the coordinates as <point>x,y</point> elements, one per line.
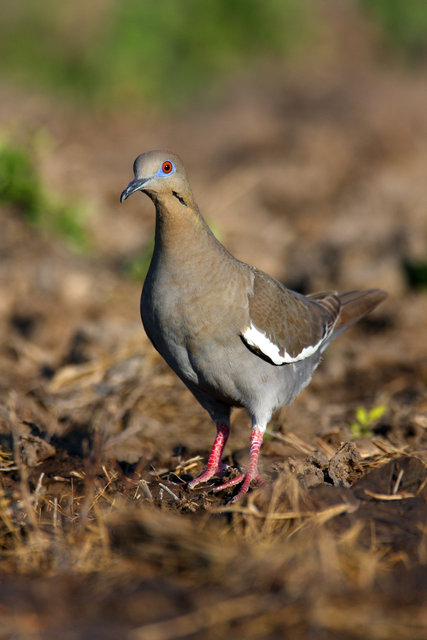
<point>164,53</point>
<point>122,58</point>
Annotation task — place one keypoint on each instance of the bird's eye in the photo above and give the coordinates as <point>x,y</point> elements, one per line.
<point>167,167</point>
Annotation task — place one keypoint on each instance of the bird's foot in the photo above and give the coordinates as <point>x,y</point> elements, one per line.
<point>246,478</point>
<point>215,466</point>
<point>210,471</point>
<point>251,472</point>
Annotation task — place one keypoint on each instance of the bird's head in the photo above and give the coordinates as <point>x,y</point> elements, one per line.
<point>159,173</point>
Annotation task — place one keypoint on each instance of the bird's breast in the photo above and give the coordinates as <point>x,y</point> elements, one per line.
<point>194,322</point>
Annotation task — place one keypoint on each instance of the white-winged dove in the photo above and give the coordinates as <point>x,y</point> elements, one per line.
<point>233,334</point>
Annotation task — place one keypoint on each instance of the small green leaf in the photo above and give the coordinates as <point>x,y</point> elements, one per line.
<point>364,420</point>
<point>377,412</point>
<point>362,416</point>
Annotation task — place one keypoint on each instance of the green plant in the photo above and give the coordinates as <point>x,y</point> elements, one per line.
<point>19,184</point>
<point>21,187</point>
<point>416,273</point>
<point>403,25</point>
<point>137,266</point>
<point>365,419</point>
<point>138,50</point>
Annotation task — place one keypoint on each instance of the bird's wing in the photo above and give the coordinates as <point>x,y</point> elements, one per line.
<point>285,327</point>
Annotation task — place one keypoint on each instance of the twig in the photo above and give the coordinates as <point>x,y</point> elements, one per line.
<point>388,496</point>
<point>398,481</point>
<point>143,485</point>
<point>171,493</point>
<point>323,516</point>
<point>293,441</point>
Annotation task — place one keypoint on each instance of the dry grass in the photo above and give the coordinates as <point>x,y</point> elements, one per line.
<point>311,178</point>
<point>94,548</point>
<point>274,563</point>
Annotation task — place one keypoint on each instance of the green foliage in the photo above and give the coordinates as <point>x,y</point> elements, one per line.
<point>168,50</point>
<point>19,184</point>
<point>416,273</point>
<point>165,52</point>
<point>403,23</point>
<point>137,267</point>
<point>134,50</point>
<point>21,187</point>
<point>365,419</point>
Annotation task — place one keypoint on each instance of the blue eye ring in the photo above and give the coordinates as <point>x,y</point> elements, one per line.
<point>166,169</point>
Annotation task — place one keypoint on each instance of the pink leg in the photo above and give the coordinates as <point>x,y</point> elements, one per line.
<point>251,472</point>
<point>215,466</point>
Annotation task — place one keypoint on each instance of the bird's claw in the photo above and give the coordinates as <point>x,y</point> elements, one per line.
<point>218,470</point>
<point>246,478</point>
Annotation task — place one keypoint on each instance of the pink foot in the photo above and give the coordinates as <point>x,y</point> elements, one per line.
<point>214,466</point>
<point>207,474</point>
<point>252,470</point>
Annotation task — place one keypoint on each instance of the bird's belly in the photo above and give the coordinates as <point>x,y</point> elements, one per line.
<point>263,387</point>
<point>217,366</point>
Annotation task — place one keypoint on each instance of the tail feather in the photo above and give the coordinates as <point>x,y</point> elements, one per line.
<point>355,305</point>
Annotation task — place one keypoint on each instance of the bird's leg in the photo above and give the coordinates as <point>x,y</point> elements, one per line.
<point>214,466</point>
<point>251,472</point>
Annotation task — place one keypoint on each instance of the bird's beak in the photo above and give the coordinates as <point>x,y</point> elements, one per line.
<point>134,185</point>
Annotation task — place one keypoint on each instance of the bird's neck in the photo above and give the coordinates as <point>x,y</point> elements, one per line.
<point>181,230</point>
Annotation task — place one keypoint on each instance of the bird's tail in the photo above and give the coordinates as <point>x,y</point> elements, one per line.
<point>355,305</point>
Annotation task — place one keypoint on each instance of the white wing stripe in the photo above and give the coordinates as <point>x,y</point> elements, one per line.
<point>257,339</point>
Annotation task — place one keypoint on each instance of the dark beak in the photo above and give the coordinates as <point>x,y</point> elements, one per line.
<point>134,185</point>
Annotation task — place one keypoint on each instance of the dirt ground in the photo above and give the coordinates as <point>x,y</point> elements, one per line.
<point>317,176</point>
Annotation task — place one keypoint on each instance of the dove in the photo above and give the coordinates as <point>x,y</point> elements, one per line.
<point>234,335</point>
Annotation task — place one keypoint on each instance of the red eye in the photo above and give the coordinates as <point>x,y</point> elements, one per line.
<point>167,167</point>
